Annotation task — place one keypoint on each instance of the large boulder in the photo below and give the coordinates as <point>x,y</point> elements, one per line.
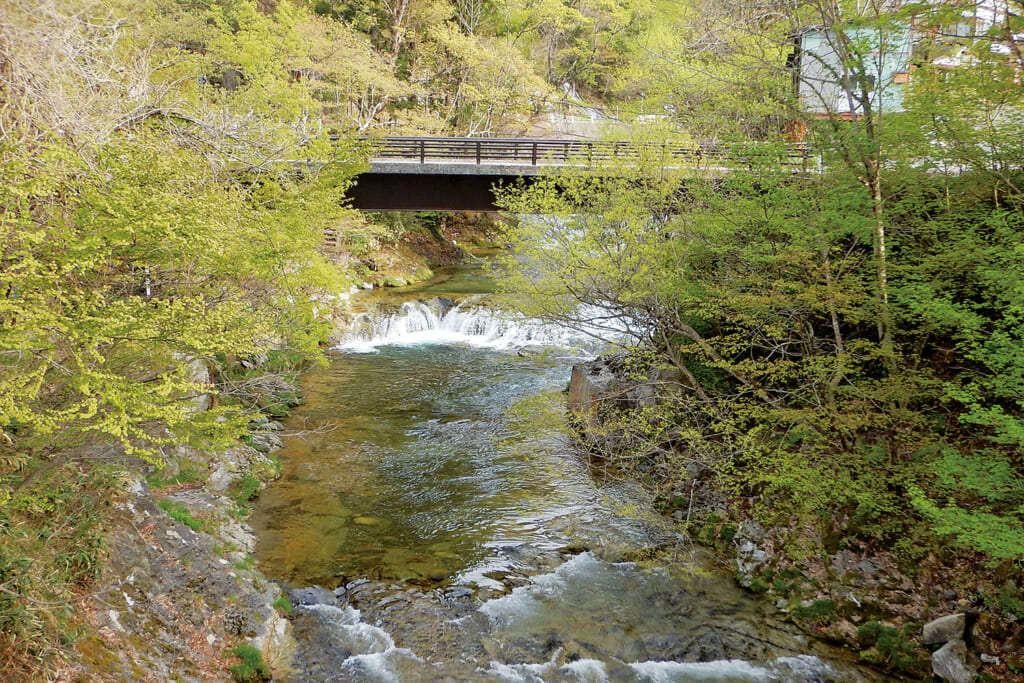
<point>588,383</point>
<point>944,629</point>
<point>949,663</point>
<point>611,386</point>
<point>590,387</point>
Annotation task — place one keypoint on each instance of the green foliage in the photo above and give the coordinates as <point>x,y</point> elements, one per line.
<point>251,667</point>
<point>179,513</point>
<point>51,549</point>
<point>889,645</point>
<point>107,290</point>
<point>246,489</point>
<point>283,605</point>
<point>847,342</point>
<point>1008,600</point>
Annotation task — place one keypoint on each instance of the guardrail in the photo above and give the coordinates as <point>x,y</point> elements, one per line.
<point>537,152</point>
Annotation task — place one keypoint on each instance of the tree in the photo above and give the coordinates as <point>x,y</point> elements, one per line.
<point>486,82</point>
<point>578,44</point>
<point>152,223</point>
<point>813,322</point>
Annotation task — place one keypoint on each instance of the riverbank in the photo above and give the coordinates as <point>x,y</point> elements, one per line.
<point>179,597</point>
<point>176,594</point>
<point>932,622</point>
<point>170,578</point>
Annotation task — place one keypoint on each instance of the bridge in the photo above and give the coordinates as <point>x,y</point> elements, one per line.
<point>459,174</point>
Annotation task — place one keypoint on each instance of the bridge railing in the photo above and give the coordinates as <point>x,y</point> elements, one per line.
<point>536,152</point>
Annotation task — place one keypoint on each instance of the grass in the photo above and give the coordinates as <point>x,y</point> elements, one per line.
<point>283,604</point>
<point>189,474</point>
<point>892,645</point>
<point>246,488</point>
<point>180,513</point>
<point>251,667</point>
<point>51,545</point>
<point>246,565</point>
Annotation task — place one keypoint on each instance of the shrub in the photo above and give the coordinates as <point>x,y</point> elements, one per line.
<point>252,667</point>
<point>891,643</point>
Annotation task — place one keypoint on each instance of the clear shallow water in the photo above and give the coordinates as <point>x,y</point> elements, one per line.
<point>449,542</point>
<point>414,478</point>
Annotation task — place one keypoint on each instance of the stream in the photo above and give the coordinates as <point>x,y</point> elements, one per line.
<point>426,531</point>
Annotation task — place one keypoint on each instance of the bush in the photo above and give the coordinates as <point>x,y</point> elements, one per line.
<point>892,644</point>
<point>252,667</point>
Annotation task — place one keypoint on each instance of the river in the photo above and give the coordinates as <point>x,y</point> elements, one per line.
<point>427,531</point>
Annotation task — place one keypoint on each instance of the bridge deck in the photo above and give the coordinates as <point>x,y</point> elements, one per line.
<point>429,173</point>
<point>537,152</point>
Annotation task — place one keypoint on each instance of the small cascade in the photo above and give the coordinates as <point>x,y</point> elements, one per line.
<point>442,321</point>
<point>425,532</point>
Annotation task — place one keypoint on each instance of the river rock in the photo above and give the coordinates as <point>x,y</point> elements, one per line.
<point>841,631</point>
<point>364,520</point>
<point>750,560</point>
<point>311,595</point>
<point>530,350</point>
<point>944,629</point>
<point>949,663</point>
<point>265,442</point>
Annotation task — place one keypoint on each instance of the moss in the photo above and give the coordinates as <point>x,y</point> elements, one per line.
<point>97,653</point>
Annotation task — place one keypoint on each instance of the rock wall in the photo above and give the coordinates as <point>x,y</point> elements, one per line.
<point>173,600</point>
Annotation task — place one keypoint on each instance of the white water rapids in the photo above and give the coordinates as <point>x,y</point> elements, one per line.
<point>449,543</point>
<point>440,321</point>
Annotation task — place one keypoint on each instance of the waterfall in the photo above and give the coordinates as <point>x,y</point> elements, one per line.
<point>441,321</point>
